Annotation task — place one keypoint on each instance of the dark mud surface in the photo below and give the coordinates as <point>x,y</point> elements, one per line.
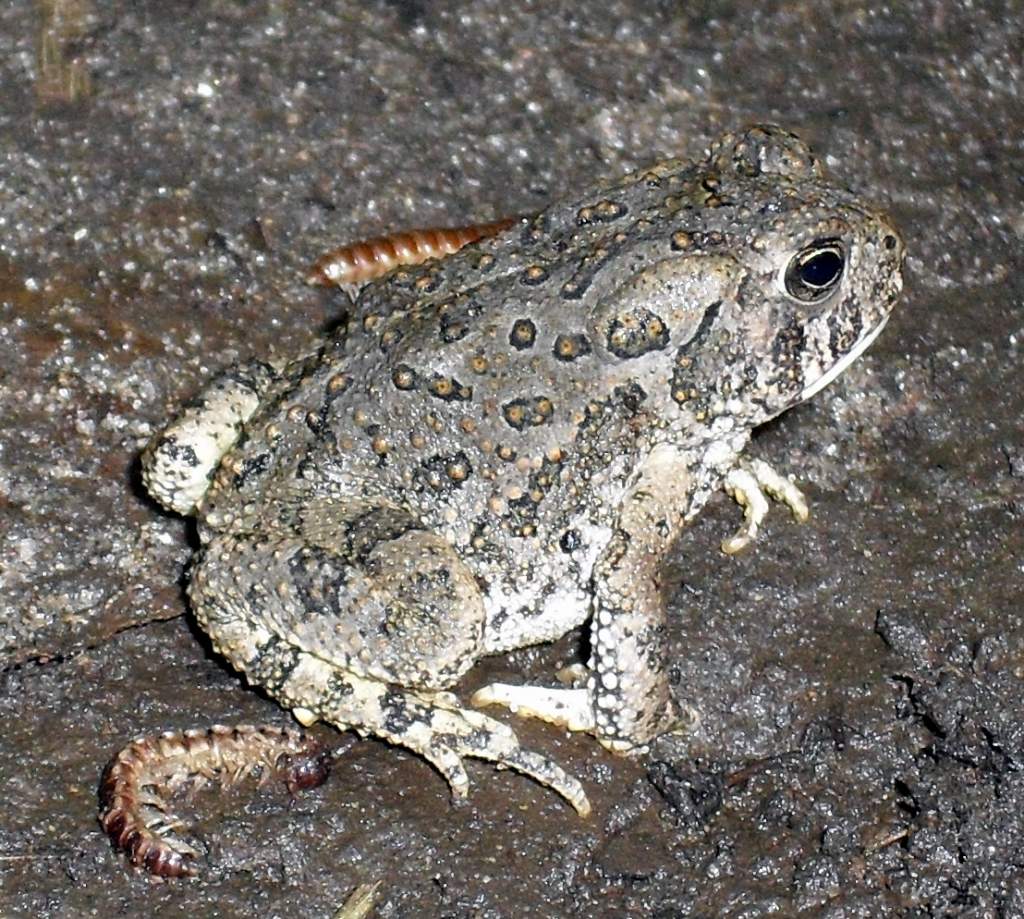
<point>166,173</point>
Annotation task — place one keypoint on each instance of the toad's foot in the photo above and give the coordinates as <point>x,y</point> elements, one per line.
<point>571,709</point>
<point>747,484</point>
<point>429,723</point>
<point>568,708</point>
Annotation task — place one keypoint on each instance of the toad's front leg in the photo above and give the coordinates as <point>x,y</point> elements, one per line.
<point>627,701</point>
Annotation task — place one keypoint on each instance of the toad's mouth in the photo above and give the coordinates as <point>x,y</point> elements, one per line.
<point>839,366</point>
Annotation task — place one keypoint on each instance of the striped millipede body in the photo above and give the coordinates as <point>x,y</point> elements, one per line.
<point>138,781</point>
<point>364,261</point>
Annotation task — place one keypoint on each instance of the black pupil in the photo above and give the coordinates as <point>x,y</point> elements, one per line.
<point>821,269</point>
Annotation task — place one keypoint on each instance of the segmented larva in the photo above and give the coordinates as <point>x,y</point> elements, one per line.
<point>137,782</point>
<point>364,261</point>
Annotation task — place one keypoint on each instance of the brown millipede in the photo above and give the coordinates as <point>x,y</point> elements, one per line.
<point>137,782</point>
<point>364,261</point>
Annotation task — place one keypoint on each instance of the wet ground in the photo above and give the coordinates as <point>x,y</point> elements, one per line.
<point>166,173</point>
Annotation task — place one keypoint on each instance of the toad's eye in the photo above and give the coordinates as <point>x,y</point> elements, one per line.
<point>815,272</point>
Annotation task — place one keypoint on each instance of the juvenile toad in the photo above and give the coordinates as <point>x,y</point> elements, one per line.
<point>502,446</point>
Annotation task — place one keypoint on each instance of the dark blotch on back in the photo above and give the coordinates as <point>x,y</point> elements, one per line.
<point>636,332</point>
<point>404,377</point>
<point>449,389</point>
<point>525,413</point>
<point>568,347</point>
<point>523,334</point>
<point>453,328</point>
<point>443,473</point>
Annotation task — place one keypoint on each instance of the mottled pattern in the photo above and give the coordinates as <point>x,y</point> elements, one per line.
<point>500,446</point>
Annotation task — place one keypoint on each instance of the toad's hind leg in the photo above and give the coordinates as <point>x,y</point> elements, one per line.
<point>364,638</point>
<point>429,723</point>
